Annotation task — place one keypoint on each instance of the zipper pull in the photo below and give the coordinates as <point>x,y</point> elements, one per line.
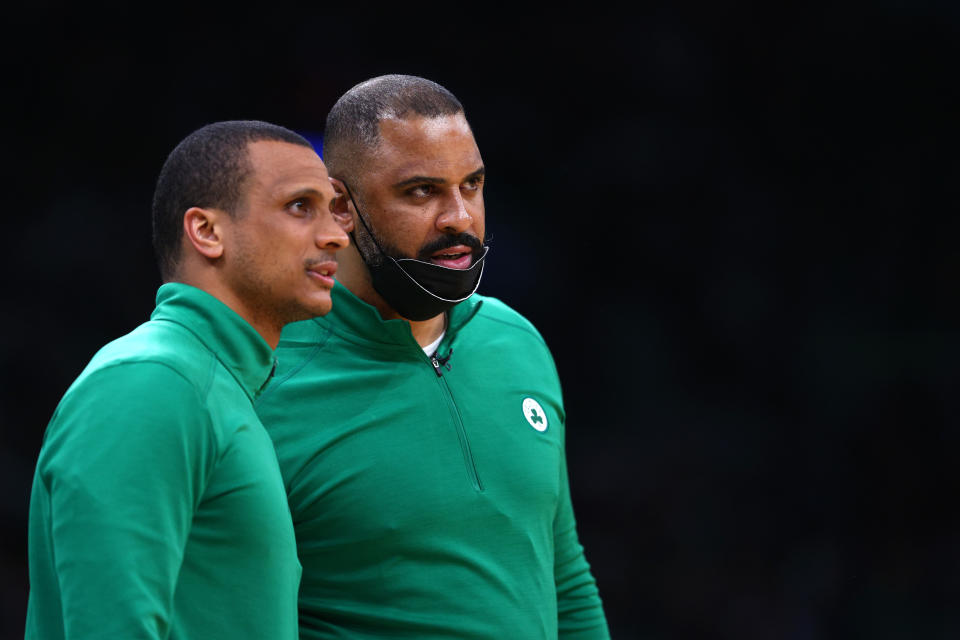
<point>436,365</point>
<point>446,361</point>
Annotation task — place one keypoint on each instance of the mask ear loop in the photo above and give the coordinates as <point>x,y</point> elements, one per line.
<point>363,222</point>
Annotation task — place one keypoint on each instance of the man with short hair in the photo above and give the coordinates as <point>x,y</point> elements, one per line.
<point>158,509</point>
<point>419,427</point>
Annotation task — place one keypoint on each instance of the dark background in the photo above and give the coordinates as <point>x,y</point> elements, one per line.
<point>736,228</point>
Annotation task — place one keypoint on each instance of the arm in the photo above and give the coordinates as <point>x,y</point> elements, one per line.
<point>126,460</point>
<point>579,608</point>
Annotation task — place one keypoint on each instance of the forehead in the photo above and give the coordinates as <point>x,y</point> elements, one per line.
<point>277,167</point>
<point>426,146</point>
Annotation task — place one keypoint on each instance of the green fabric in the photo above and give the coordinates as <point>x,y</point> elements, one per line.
<point>158,509</point>
<point>427,506</point>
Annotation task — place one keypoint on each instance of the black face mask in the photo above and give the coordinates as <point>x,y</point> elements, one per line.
<point>416,289</point>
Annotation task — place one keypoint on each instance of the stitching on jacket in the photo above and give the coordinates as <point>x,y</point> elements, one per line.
<point>523,328</point>
<point>313,354</point>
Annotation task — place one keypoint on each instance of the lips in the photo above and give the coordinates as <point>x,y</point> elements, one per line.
<point>323,272</point>
<point>456,257</point>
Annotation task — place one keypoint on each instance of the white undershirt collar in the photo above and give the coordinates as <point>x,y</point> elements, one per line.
<point>431,348</point>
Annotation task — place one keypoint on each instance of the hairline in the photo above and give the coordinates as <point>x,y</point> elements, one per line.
<point>369,146</point>
<point>354,124</point>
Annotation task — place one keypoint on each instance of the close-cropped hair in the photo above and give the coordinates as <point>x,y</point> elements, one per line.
<point>353,124</point>
<point>207,169</point>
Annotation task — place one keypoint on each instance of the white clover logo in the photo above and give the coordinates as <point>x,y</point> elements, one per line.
<point>535,414</point>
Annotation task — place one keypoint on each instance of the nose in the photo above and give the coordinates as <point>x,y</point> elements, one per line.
<point>331,235</point>
<point>455,218</point>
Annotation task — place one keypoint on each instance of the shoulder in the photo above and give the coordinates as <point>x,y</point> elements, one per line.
<point>499,319</point>
<point>155,370</point>
<point>117,391</point>
<point>155,349</point>
<point>500,329</point>
<point>153,366</point>
<point>122,406</point>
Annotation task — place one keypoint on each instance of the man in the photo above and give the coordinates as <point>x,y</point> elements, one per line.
<point>420,428</point>
<point>158,509</point>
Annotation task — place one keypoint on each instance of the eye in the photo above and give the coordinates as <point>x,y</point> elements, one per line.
<point>421,190</point>
<point>473,184</point>
<point>300,207</point>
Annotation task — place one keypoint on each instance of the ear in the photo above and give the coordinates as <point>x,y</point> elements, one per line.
<point>340,206</point>
<point>202,227</point>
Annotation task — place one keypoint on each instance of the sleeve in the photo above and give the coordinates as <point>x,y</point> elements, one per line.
<point>579,608</point>
<point>129,451</point>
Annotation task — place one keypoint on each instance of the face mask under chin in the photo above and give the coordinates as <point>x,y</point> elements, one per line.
<point>420,290</point>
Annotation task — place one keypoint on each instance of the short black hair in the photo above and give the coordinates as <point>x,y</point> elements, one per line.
<point>207,169</point>
<point>353,124</point>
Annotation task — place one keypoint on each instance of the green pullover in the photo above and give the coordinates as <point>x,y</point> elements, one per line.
<point>429,500</point>
<point>157,509</point>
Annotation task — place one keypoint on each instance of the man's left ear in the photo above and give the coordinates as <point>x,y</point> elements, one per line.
<point>340,206</point>
<point>202,228</point>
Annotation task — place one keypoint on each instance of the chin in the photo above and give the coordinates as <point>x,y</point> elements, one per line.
<point>306,309</point>
<point>321,308</point>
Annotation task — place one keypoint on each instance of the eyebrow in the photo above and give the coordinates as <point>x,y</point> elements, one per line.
<point>482,171</point>
<point>300,193</point>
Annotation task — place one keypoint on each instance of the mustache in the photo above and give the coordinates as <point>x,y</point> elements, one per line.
<point>324,257</point>
<point>465,239</point>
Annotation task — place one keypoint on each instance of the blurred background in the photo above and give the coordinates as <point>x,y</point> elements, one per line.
<point>736,227</point>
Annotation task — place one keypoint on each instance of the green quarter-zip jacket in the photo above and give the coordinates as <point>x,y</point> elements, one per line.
<point>429,495</point>
<point>158,509</point>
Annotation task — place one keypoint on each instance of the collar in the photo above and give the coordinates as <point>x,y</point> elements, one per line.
<point>236,344</point>
<point>352,317</point>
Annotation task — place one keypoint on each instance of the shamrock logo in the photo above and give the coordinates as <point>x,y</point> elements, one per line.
<point>534,413</point>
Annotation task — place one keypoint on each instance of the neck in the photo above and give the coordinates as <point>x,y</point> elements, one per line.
<point>426,331</point>
<point>353,274</point>
<point>262,322</point>
<point>266,327</point>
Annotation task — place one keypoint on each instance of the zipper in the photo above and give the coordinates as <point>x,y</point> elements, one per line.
<point>441,362</point>
<point>438,365</point>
